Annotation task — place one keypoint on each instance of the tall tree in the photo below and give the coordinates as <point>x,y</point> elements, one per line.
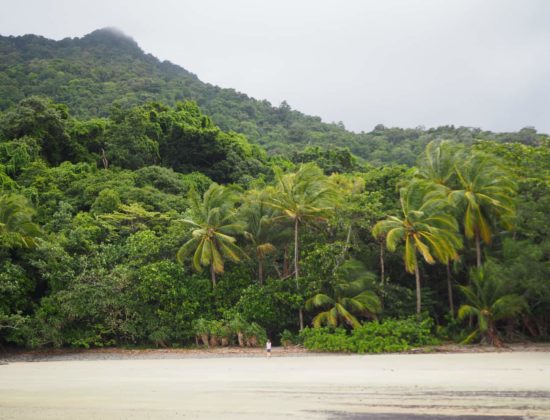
<point>260,228</point>
<point>426,228</point>
<point>213,230</point>
<point>302,197</point>
<point>485,197</point>
<point>438,165</point>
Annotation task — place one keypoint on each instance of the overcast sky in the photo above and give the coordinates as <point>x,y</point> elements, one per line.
<point>479,63</point>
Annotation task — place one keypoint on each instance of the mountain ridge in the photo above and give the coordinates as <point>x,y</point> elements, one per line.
<point>91,73</point>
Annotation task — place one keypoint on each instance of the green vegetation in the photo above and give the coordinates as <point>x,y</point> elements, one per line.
<point>488,303</point>
<point>350,294</point>
<point>215,222</point>
<point>110,213</point>
<point>107,70</point>
<point>373,337</point>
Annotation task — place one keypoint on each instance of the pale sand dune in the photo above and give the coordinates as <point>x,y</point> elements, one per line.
<point>497,384</point>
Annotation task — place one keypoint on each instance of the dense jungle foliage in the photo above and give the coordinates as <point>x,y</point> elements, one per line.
<point>106,68</point>
<point>127,221</point>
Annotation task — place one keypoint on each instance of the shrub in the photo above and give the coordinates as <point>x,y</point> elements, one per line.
<point>391,335</point>
<point>288,338</point>
<point>228,331</point>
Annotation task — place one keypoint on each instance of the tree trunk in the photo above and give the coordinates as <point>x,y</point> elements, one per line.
<point>296,269</point>
<point>213,275</point>
<point>450,290</point>
<point>418,296</point>
<point>478,250</point>
<point>286,268</point>
<point>344,251</point>
<point>260,271</point>
<point>348,238</point>
<point>382,268</point>
<point>104,159</point>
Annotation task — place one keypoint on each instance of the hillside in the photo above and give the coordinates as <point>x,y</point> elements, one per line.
<point>126,222</point>
<point>90,73</point>
<point>106,67</point>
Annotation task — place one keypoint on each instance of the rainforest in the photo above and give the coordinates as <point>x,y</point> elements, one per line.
<point>143,207</point>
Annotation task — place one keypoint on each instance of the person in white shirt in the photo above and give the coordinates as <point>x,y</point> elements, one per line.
<point>268,348</point>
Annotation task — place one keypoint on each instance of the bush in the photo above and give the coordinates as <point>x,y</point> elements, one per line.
<point>288,338</point>
<point>391,335</point>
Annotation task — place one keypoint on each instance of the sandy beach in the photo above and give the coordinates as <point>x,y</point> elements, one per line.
<point>514,384</point>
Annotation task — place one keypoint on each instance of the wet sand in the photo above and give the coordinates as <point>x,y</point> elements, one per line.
<point>415,386</point>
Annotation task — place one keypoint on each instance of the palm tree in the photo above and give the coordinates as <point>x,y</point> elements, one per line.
<point>16,226</point>
<point>213,223</point>
<point>261,230</point>
<point>438,162</point>
<point>485,196</point>
<point>427,228</point>
<point>302,197</point>
<point>438,165</point>
<point>488,303</point>
<point>350,295</point>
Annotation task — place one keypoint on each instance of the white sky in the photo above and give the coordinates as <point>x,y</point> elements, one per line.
<point>480,63</point>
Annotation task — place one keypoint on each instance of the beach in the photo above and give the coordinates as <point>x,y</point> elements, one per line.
<point>391,386</point>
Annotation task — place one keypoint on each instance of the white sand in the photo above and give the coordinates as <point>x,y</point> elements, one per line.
<point>303,387</point>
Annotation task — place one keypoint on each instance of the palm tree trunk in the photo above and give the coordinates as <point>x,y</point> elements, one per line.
<point>478,250</point>
<point>450,290</point>
<point>213,275</point>
<point>261,271</point>
<point>286,268</point>
<point>418,296</point>
<point>297,268</point>
<point>345,250</point>
<point>348,238</point>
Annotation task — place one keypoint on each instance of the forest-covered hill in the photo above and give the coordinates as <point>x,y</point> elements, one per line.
<point>106,67</point>
<point>129,216</point>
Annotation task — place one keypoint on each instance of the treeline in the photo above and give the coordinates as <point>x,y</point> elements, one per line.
<point>105,67</point>
<point>153,226</point>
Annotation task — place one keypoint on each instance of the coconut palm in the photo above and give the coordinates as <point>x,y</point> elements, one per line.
<point>427,228</point>
<point>349,296</point>
<point>260,228</point>
<point>213,230</point>
<point>438,162</point>
<point>488,302</point>
<point>485,197</point>
<point>302,197</point>
<point>16,226</point>
<point>438,165</point>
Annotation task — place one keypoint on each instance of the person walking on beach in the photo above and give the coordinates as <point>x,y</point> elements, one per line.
<point>268,348</point>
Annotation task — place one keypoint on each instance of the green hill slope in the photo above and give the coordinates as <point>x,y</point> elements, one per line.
<point>90,73</point>
<point>106,67</point>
